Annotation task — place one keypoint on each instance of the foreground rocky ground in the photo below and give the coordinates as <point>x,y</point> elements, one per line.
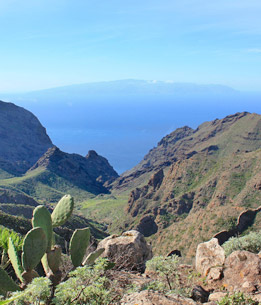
<point>210,279</point>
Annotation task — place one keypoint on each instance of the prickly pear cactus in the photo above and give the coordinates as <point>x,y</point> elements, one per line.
<point>6,283</point>
<point>54,258</point>
<point>90,259</point>
<point>78,244</point>
<point>62,211</point>
<point>15,261</point>
<point>42,218</point>
<point>34,247</point>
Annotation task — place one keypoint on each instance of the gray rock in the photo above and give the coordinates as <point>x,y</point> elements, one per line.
<point>129,251</point>
<point>23,140</point>
<point>209,254</point>
<point>148,297</point>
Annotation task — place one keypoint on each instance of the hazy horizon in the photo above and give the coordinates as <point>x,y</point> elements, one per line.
<point>123,120</point>
<point>46,44</point>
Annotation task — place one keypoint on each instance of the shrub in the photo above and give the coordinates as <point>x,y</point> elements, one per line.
<point>168,272</point>
<point>250,242</point>
<point>37,292</point>
<point>86,285</point>
<point>238,298</point>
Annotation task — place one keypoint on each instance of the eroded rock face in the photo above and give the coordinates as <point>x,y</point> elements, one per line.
<point>242,272</point>
<point>148,297</point>
<point>23,140</point>
<point>209,254</point>
<point>129,251</point>
<point>147,226</point>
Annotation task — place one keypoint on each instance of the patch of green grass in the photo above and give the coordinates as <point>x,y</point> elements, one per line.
<point>107,209</point>
<point>45,186</point>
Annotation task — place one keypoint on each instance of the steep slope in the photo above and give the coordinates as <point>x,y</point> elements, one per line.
<point>57,173</point>
<point>243,129</point>
<point>200,181</point>
<point>22,139</point>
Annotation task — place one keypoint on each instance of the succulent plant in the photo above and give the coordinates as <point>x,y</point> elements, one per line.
<point>90,259</point>
<point>62,211</point>
<point>14,258</point>
<point>37,246</point>
<point>6,283</point>
<point>34,247</point>
<point>42,218</point>
<point>78,244</point>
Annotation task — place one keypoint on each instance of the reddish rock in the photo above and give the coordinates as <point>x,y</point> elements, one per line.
<point>242,272</point>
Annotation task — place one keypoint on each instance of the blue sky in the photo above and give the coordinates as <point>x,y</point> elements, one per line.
<point>47,43</point>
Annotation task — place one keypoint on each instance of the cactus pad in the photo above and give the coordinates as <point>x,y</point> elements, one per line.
<point>14,258</point>
<point>34,247</point>
<point>54,258</point>
<point>42,218</point>
<point>90,259</point>
<point>6,283</point>
<point>78,244</point>
<point>62,211</point>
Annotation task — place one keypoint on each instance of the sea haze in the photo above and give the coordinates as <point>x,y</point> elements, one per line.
<point>123,120</point>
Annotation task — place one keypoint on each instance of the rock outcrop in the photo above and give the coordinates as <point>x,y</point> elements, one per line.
<point>129,251</point>
<point>23,140</point>
<point>209,254</point>
<point>88,173</point>
<point>99,167</point>
<point>148,297</point>
<point>242,272</point>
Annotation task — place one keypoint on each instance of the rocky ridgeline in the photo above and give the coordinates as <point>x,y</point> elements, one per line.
<point>23,140</point>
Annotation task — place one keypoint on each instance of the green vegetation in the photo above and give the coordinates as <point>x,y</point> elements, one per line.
<point>228,223</point>
<point>250,242</point>
<point>38,245</point>
<point>107,209</point>
<point>170,277</point>
<point>85,285</point>
<point>238,298</point>
<point>45,186</point>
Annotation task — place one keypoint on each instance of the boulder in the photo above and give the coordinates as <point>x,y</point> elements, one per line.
<point>242,272</point>
<point>129,251</point>
<point>209,254</point>
<point>215,274</point>
<point>216,296</point>
<point>148,297</point>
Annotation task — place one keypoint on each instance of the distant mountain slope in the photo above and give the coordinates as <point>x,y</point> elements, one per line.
<point>22,139</point>
<point>239,132</point>
<point>57,173</point>
<point>195,183</point>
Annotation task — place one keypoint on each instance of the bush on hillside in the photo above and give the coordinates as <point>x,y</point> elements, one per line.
<point>250,242</point>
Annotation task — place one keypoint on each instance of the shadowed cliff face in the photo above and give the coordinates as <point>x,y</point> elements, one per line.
<point>23,140</point>
<point>88,172</point>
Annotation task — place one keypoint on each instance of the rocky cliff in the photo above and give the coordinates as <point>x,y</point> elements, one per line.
<point>88,173</point>
<point>23,140</point>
